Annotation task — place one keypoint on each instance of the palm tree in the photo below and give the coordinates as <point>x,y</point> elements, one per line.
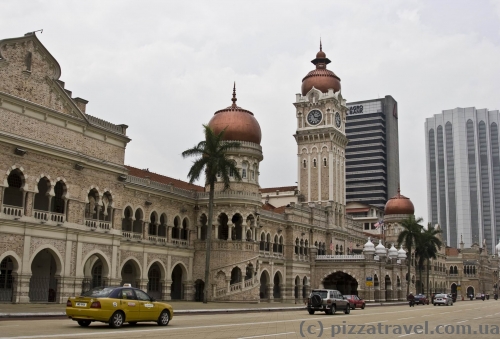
<point>214,162</point>
<point>430,245</point>
<point>409,237</point>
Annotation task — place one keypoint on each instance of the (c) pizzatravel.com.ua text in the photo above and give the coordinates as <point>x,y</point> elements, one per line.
<point>324,331</point>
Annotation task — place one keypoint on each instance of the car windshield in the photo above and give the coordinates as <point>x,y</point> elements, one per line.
<point>98,292</point>
<point>441,296</point>
<point>322,294</point>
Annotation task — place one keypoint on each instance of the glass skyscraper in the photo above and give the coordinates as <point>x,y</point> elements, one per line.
<point>372,154</point>
<point>463,175</point>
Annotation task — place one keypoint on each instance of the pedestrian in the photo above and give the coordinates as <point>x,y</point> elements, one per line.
<point>411,299</point>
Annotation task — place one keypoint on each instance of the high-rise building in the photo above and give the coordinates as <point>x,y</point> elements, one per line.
<point>463,175</point>
<point>372,154</point>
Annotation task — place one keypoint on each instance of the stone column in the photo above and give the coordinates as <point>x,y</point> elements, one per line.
<point>167,289</point>
<point>145,229</point>
<point>228,282</point>
<point>187,287</point>
<point>199,232</point>
<point>216,231</point>
<point>169,234</point>
<point>28,200</point>
<point>230,232</point>
<point>270,292</point>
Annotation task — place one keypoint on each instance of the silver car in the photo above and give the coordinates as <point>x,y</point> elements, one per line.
<point>443,299</point>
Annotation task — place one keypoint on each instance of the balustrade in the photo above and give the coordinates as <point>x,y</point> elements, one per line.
<point>341,257</point>
<point>46,216</point>
<point>15,211</point>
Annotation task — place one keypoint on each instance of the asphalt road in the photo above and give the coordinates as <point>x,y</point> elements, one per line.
<point>481,318</point>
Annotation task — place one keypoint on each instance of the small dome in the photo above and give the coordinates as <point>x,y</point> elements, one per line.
<point>401,253</point>
<point>321,78</point>
<point>399,204</point>
<point>239,123</point>
<point>393,252</point>
<point>369,248</point>
<point>380,249</point>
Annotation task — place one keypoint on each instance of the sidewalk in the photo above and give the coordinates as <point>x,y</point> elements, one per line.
<point>47,310</point>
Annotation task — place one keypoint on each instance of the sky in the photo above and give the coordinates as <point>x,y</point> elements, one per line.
<point>164,67</point>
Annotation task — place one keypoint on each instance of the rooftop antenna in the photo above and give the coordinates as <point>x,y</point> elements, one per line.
<point>40,30</point>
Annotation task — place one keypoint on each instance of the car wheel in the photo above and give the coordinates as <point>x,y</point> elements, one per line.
<point>116,319</point>
<point>164,318</point>
<point>84,323</point>
<point>363,306</point>
<point>132,323</point>
<point>347,309</point>
<point>332,310</point>
<point>310,311</point>
<point>434,304</point>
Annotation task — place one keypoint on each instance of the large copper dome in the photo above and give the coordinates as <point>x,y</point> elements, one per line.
<point>320,78</point>
<point>239,123</point>
<point>399,204</point>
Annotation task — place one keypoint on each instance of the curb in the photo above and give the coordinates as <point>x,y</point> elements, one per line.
<point>184,312</point>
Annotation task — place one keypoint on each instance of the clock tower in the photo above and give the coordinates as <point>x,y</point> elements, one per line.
<point>321,141</point>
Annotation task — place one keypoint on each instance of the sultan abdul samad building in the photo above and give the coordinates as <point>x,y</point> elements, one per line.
<point>73,216</point>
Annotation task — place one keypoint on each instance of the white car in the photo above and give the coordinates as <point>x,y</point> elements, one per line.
<point>443,299</point>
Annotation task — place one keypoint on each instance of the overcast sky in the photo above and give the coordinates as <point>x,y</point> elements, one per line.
<point>164,67</point>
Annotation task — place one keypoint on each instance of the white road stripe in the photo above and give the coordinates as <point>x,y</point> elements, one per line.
<point>266,335</point>
<point>406,318</point>
<point>477,318</point>
<point>459,322</point>
<point>404,335</point>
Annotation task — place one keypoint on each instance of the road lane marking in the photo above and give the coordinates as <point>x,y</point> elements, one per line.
<point>427,315</point>
<point>464,321</point>
<point>404,335</point>
<point>444,312</point>
<point>491,315</point>
<point>266,335</point>
<point>477,318</point>
<point>406,318</point>
<point>376,322</point>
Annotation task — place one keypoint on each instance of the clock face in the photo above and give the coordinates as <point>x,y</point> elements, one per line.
<point>338,121</point>
<point>314,117</point>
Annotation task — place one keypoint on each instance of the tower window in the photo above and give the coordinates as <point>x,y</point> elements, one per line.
<point>304,163</point>
<point>324,162</point>
<point>244,173</point>
<point>314,163</point>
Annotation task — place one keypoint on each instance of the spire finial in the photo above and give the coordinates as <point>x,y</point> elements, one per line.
<point>399,189</point>
<point>320,45</point>
<point>234,95</point>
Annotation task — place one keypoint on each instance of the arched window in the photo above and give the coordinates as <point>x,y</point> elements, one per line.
<point>13,194</point>
<point>262,241</point>
<point>337,249</point>
<point>162,228</point>
<point>275,244</point>
<point>324,162</point>
<point>314,163</point>
<point>127,220</point>
<point>297,246</point>
<point>280,247</point>
<point>185,229</point>
<point>301,249</point>
<point>244,168</point>
<point>58,202</point>
<point>42,198</point>
<point>306,245</point>
<point>106,210</point>
<point>304,163</point>
<point>268,243</point>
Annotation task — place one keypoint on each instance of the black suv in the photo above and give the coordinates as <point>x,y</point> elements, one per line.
<point>328,301</point>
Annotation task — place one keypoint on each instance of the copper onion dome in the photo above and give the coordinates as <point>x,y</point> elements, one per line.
<point>320,78</point>
<point>239,123</point>
<point>399,204</point>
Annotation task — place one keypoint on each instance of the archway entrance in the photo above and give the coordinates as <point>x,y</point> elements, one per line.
<point>176,292</point>
<point>388,288</point>
<point>199,287</point>
<point>43,282</point>
<point>131,274</point>
<point>264,282</point>
<point>154,282</point>
<point>6,279</point>
<point>453,288</point>
<point>470,291</point>
<point>341,281</point>
<point>277,286</point>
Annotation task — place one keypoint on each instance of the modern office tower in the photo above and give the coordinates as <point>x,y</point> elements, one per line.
<point>463,175</point>
<point>372,154</point>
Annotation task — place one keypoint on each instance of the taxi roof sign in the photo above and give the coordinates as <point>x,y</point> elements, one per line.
<point>127,285</point>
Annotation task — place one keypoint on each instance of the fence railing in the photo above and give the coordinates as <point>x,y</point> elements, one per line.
<point>340,257</point>
<point>15,211</point>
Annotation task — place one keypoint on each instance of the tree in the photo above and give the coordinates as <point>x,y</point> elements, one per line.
<point>428,247</point>
<point>409,237</point>
<point>212,160</point>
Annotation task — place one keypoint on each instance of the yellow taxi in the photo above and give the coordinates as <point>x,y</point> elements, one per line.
<point>117,305</point>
